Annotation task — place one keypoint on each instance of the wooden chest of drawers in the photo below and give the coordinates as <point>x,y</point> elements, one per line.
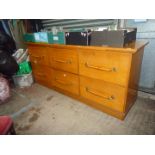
<point>103,77</point>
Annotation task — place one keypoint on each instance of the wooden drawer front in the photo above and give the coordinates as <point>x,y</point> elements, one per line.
<point>108,66</point>
<point>64,59</point>
<point>39,55</point>
<point>109,95</point>
<point>66,81</point>
<point>43,74</point>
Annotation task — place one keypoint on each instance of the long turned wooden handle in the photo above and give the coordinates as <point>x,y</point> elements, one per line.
<point>38,57</point>
<point>62,82</point>
<point>100,94</point>
<point>63,61</point>
<point>101,68</point>
<point>41,75</point>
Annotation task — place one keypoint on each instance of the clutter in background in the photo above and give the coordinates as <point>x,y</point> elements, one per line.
<point>20,55</point>
<point>7,43</point>
<point>23,77</point>
<point>8,65</point>
<point>45,37</point>
<point>15,63</point>
<point>34,31</point>
<point>78,38</point>
<point>15,28</point>
<point>113,38</point>
<point>4,90</point>
<point>105,37</point>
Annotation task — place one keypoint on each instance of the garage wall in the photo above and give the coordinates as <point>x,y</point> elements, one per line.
<point>77,23</point>
<point>146,31</point>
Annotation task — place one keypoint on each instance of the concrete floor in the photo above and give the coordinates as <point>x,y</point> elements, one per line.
<point>39,110</point>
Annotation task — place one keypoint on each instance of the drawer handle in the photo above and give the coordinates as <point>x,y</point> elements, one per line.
<point>101,68</point>
<point>100,95</point>
<point>41,75</point>
<point>38,57</point>
<point>62,82</point>
<point>63,61</point>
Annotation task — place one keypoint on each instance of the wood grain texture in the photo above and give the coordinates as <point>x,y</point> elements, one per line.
<point>130,48</point>
<point>42,74</point>
<point>64,59</point>
<point>108,66</point>
<point>103,77</point>
<point>39,55</point>
<point>66,81</point>
<point>134,78</point>
<point>104,93</point>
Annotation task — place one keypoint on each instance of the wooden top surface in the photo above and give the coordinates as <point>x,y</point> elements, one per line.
<point>132,47</point>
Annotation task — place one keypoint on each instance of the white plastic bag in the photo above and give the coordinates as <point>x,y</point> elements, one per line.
<point>4,90</point>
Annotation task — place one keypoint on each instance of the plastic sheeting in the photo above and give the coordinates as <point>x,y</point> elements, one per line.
<point>4,90</point>
<point>8,65</point>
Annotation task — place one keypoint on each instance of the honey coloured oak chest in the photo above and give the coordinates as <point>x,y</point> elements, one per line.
<point>105,78</point>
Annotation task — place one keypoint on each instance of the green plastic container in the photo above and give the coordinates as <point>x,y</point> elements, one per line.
<point>24,68</point>
<point>43,37</point>
<point>58,38</point>
<point>28,37</point>
<point>36,37</point>
<point>31,37</point>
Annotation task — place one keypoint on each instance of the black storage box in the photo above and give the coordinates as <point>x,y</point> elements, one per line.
<point>77,38</point>
<point>131,34</point>
<point>114,38</point>
<point>98,38</point>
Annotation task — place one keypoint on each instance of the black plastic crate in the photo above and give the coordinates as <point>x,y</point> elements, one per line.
<point>113,38</point>
<point>77,38</point>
